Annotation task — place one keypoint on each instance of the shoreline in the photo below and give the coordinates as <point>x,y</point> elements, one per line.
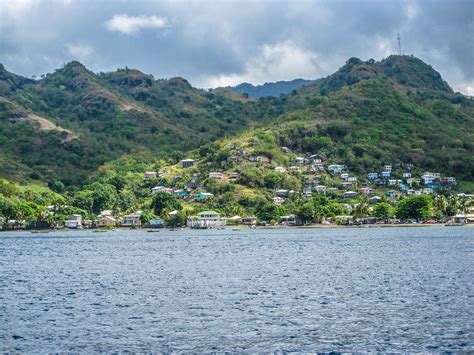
<point>243,227</point>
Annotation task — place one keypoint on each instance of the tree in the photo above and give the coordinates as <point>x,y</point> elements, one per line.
<point>440,205</point>
<point>414,207</point>
<point>146,217</point>
<point>268,212</point>
<point>305,212</point>
<point>383,210</point>
<point>164,202</point>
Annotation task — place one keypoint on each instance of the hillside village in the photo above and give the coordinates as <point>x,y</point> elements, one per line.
<point>253,182</point>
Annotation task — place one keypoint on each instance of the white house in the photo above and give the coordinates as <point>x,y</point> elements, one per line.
<point>280,169</point>
<point>74,221</point>
<point>206,220</point>
<point>278,200</point>
<point>216,175</point>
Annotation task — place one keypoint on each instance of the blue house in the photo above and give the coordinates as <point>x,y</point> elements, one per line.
<point>372,176</point>
<point>385,174</point>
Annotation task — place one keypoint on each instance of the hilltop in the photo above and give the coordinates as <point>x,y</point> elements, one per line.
<point>268,89</point>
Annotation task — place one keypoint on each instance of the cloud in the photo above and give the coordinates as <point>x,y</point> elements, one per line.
<point>221,42</point>
<point>132,24</point>
<point>80,51</point>
<point>280,61</point>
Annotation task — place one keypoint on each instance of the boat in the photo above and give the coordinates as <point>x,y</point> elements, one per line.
<point>42,232</point>
<point>152,231</point>
<point>99,231</point>
<point>236,229</point>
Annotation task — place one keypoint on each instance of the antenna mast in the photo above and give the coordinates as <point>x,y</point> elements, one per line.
<point>399,45</point>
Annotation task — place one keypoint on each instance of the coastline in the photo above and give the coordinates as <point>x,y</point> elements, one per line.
<point>242,227</point>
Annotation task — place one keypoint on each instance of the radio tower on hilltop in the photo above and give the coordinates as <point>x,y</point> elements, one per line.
<point>399,44</point>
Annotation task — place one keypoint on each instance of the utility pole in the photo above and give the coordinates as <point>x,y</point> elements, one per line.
<point>399,45</point>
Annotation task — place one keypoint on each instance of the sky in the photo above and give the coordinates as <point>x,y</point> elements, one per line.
<point>218,43</point>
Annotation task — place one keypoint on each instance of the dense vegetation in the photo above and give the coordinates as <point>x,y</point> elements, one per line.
<point>63,127</point>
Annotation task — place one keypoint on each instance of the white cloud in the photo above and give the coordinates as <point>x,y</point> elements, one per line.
<point>133,24</point>
<point>80,51</point>
<point>281,61</point>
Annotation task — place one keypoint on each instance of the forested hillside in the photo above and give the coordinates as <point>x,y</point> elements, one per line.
<point>367,114</point>
<point>268,89</point>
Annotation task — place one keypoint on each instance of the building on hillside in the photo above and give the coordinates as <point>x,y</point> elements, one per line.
<point>294,168</point>
<point>366,191</point>
<point>300,160</point>
<point>180,193</point>
<point>282,193</point>
<point>372,176</point>
<point>336,169</point>
<point>132,219</point>
<point>349,194</point>
<point>375,199</point>
<point>202,196</point>
<point>278,200</point>
<point>234,175</point>
<point>150,174</point>
<point>344,176</point>
<point>320,189</point>
<point>187,163</point>
<point>280,169</point>
<point>388,168</point>
<point>207,220</point>
<point>216,175</point>
<point>286,150</point>
<point>74,221</point>
<point>385,174</point>
<point>406,175</point>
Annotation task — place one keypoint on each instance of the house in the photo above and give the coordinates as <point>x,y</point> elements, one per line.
<point>344,176</point>
<point>156,222</point>
<point>409,166</point>
<point>157,189</point>
<point>216,175</point>
<point>281,192</point>
<point>87,223</point>
<point>74,221</point>
<point>336,169</point>
<point>375,199</point>
<point>105,221</point>
<point>308,191</point>
<point>235,219</point>
<point>366,191</point>
<point>132,219</point>
<point>181,193</point>
<point>186,163</point>
<point>202,196</point>
<point>234,175</point>
<point>150,174</point>
<point>316,158</point>
<point>294,168</point>
<point>392,182</point>
<point>249,221</point>
<point>391,193</point>
<point>278,200</point>
<point>449,181</point>
<point>406,175</point>
<point>320,189</point>
<point>385,174</point>
<point>300,160</point>
<point>349,194</point>
<point>427,179</point>
<point>286,150</point>
<point>372,176</point>
<point>317,167</point>
<point>289,220</point>
<point>206,220</point>
<point>388,168</point>
<point>428,191</point>
<point>280,169</point>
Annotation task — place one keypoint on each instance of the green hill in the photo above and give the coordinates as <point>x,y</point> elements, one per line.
<point>367,114</point>
<point>68,123</point>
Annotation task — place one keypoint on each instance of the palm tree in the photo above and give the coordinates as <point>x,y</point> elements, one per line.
<point>440,204</point>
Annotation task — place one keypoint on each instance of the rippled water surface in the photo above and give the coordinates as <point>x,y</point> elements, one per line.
<point>362,289</point>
